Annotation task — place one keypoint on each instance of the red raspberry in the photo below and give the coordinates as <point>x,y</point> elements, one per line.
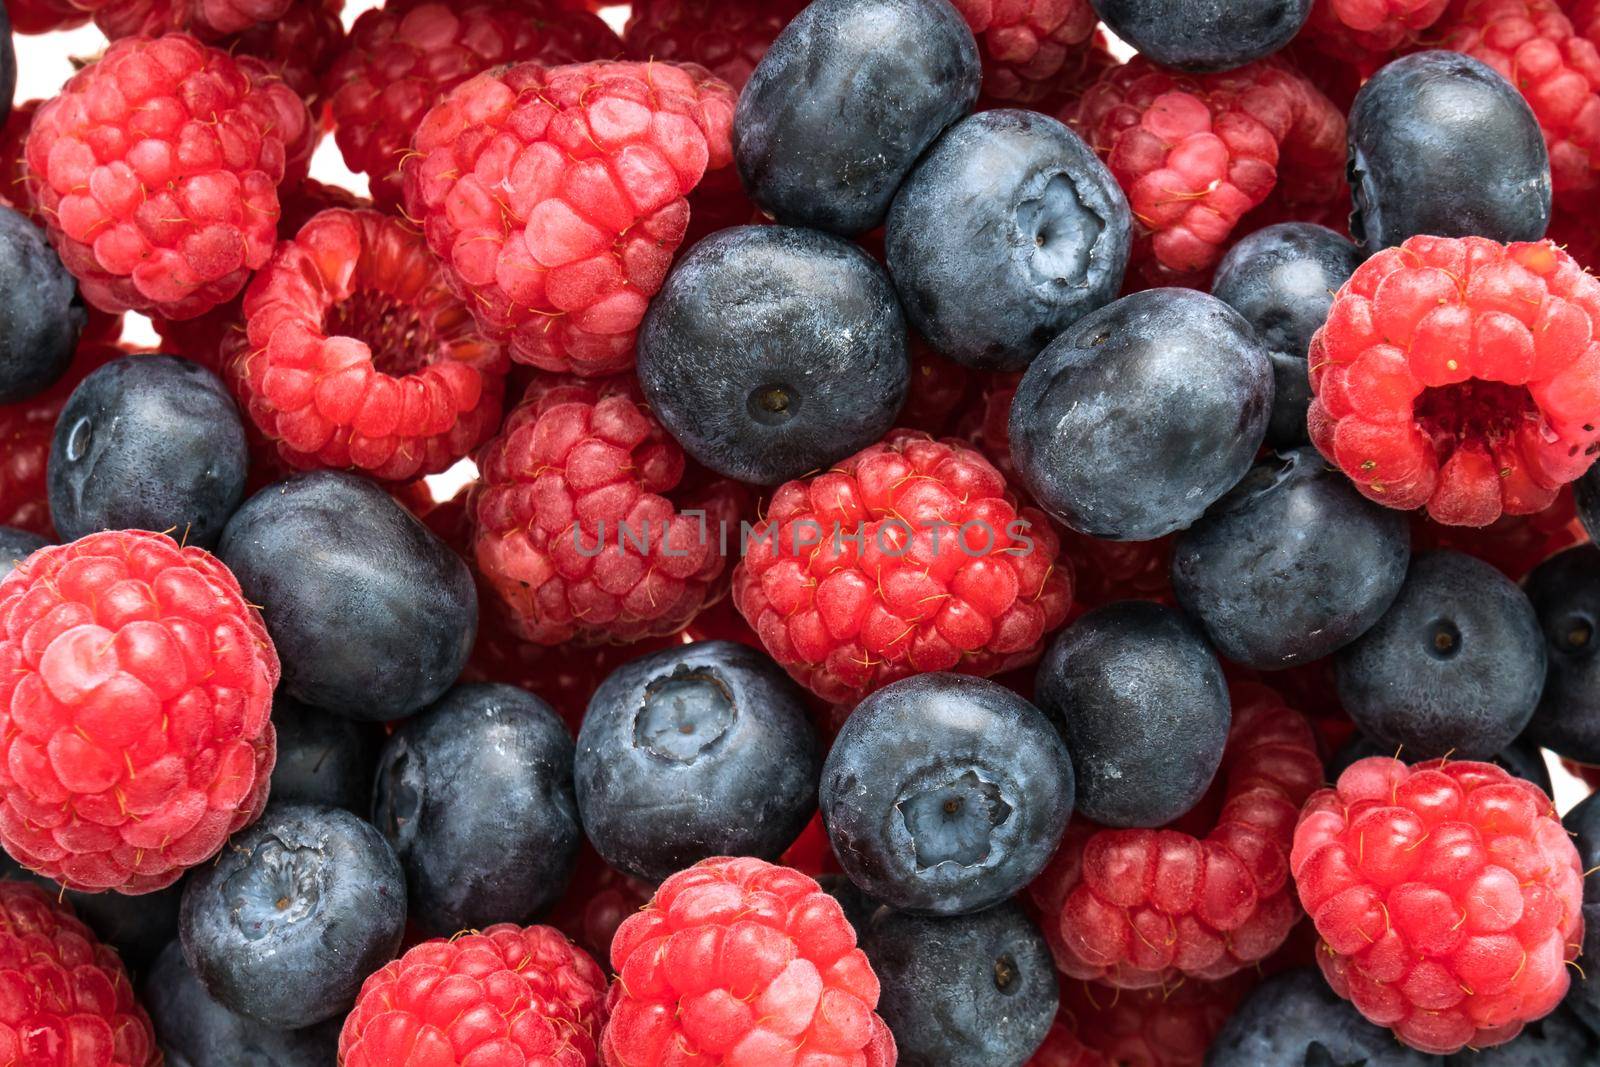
<point>1514,544</point>
<point>573,531</point>
<point>1153,1027</point>
<point>1590,775</point>
<point>1447,897</point>
<point>1195,152</point>
<point>68,1001</point>
<point>598,900</point>
<point>1146,908</point>
<point>1062,1048</point>
<point>1366,33</point>
<point>402,57</point>
<point>209,20</point>
<point>1460,374</point>
<point>556,197</point>
<point>949,575</point>
<point>300,47</point>
<point>938,386</point>
<point>1030,48</point>
<point>740,961</point>
<point>135,687</point>
<point>44,16</point>
<point>307,373</point>
<point>508,995</point>
<point>726,38</point>
<point>1576,233</point>
<point>157,169</point>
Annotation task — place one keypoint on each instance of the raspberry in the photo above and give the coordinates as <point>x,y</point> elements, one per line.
<point>135,687</point>
<point>1460,374</point>
<point>355,352</point>
<point>1576,234</point>
<point>573,531</point>
<point>508,995</point>
<point>938,385</point>
<point>742,962</point>
<point>299,47</point>
<point>556,197</point>
<point>941,580</point>
<point>1447,897</point>
<point>1152,1027</point>
<point>68,1000</point>
<point>157,169</point>
<point>1365,33</point>
<point>1146,908</point>
<point>209,20</point>
<point>44,16</point>
<point>1062,1048</point>
<point>597,901</point>
<point>402,57</point>
<point>1513,544</point>
<point>1030,48</point>
<point>726,38</point>
<point>1194,153</point>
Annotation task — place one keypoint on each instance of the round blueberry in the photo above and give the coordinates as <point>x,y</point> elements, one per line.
<point>962,991</point>
<point>844,102</point>
<point>1522,758</point>
<point>695,751</point>
<point>294,915</point>
<point>1291,565</point>
<point>137,927</point>
<point>323,758</point>
<point>8,66</point>
<point>1204,34</point>
<point>1018,200</point>
<point>195,1031</point>
<point>15,546</point>
<point>1586,494</point>
<point>1134,420</point>
<point>148,443</point>
<point>1455,665</point>
<point>1144,708</point>
<point>945,794</point>
<point>772,351</point>
<point>1565,593</point>
<point>1440,144</point>
<point>41,313</point>
<point>475,795</point>
<point>372,614</point>
<point>1295,1020</point>
<point>1282,279</point>
<point>1583,997</point>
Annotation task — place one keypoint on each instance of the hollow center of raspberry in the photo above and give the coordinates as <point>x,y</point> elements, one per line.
<point>684,715</point>
<point>278,886</point>
<point>400,339</point>
<point>954,821</point>
<point>773,403</point>
<point>1058,233</point>
<point>1472,410</point>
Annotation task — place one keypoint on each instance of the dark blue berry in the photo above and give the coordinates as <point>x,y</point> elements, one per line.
<point>17,545</point>
<point>1521,758</point>
<point>1134,420</point>
<point>1282,280</point>
<point>323,758</point>
<point>137,927</point>
<point>475,796</point>
<point>1565,593</point>
<point>372,614</point>
<point>1144,708</point>
<point>41,313</point>
<point>1009,230</point>
<point>195,1031</point>
<point>1559,1039</point>
<point>294,914</point>
<point>1586,495</point>
<point>1291,565</point>
<point>845,101</point>
<point>1583,996</point>
<point>1294,1020</point>
<point>148,443</point>
<point>771,352</point>
<point>695,751</point>
<point>1204,34</point>
<point>945,794</point>
<point>8,66</point>
<point>962,991</point>
<point>1440,144</point>
<point>1454,666</point>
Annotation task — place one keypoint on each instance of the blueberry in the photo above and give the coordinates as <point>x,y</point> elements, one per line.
<point>373,615</point>
<point>1204,34</point>
<point>1015,199</point>
<point>1559,1039</point>
<point>295,913</point>
<point>963,991</point>
<point>1144,709</point>
<point>41,313</point>
<point>148,443</point>
<point>1440,144</point>
<point>323,758</point>
<point>1135,419</point>
<point>1282,280</point>
<point>195,1031</point>
<point>1521,758</point>
<point>1583,997</point>
<point>1454,666</point>
<point>8,66</point>
<point>1586,494</point>
<point>945,794</point>
<point>1565,593</point>
<point>1294,1020</point>
<point>845,101</point>
<point>773,351</point>
<point>475,795</point>
<point>15,546</point>
<point>137,927</point>
<point>1291,565</point>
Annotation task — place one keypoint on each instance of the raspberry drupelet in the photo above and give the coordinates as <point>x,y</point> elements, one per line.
<point>910,556</point>
<point>556,198</point>
<point>356,354</point>
<point>1367,33</point>
<point>68,1000</point>
<point>402,57</point>
<point>1152,1027</point>
<point>1062,1048</point>
<point>135,688</point>
<point>209,20</point>
<point>741,963</point>
<point>1030,48</point>
<point>1206,897</point>
<point>157,169</point>
<point>1447,897</point>
<point>508,995</point>
<point>726,38</point>
<point>1462,375</point>
<point>44,16</point>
